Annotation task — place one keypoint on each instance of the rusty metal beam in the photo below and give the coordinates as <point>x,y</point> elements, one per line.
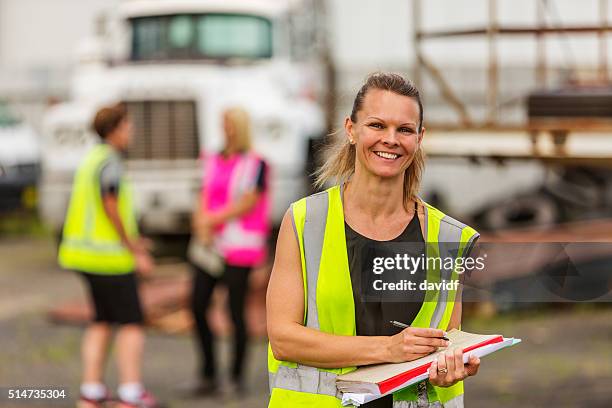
<point>603,41</point>
<point>540,45</point>
<point>493,71</point>
<point>447,91</point>
<point>416,30</point>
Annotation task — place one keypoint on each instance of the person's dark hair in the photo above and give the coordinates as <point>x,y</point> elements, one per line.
<point>108,119</point>
<point>392,82</point>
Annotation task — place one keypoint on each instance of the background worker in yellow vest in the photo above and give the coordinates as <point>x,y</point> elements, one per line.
<point>101,242</point>
<point>320,324</point>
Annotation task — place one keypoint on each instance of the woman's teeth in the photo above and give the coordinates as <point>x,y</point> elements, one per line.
<point>386,155</point>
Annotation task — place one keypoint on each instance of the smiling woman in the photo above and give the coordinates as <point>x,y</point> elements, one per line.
<point>321,323</point>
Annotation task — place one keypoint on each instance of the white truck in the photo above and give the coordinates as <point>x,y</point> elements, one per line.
<point>19,163</point>
<point>177,64</point>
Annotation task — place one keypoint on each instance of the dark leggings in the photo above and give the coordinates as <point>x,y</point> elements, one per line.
<point>236,279</point>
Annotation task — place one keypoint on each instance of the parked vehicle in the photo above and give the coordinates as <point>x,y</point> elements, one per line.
<point>19,163</point>
<point>177,66</point>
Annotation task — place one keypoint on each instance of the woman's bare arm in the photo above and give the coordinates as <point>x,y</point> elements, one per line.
<point>237,208</point>
<point>203,217</point>
<point>291,341</point>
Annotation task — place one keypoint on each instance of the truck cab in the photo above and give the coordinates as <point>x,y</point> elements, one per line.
<point>177,65</point>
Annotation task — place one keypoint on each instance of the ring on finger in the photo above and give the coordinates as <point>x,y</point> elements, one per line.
<point>442,365</point>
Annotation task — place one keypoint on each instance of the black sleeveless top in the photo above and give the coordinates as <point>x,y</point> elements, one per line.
<point>372,317</point>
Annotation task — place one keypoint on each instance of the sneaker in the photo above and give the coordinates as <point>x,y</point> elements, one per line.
<point>91,403</point>
<point>147,400</point>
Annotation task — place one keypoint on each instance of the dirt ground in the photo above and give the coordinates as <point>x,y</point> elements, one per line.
<point>565,359</point>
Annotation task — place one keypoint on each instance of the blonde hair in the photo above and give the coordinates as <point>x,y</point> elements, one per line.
<point>339,154</point>
<point>241,121</point>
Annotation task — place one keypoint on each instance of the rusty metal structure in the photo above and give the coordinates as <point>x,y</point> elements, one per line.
<point>566,127</point>
<point>558,128</point>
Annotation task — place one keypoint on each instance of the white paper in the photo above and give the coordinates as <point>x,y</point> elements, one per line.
<point>356,399</point>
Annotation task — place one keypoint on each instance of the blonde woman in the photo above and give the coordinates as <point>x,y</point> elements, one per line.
<point>232,216</point>
<point>322,320</point>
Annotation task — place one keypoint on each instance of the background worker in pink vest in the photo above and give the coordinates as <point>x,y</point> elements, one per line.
<point>233,218</point>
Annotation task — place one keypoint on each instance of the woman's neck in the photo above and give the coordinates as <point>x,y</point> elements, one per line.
<point>229,151</point>
<point>374,196</point>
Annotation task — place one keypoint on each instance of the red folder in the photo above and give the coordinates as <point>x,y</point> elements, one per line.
<point>394,382</point>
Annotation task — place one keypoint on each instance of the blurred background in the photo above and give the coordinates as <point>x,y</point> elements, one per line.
<point>518,111</point>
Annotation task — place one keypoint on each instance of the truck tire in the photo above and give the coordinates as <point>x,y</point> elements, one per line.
<point>537,210</point>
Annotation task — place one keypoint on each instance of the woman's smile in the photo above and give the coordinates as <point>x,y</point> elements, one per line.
<point>387,156</point>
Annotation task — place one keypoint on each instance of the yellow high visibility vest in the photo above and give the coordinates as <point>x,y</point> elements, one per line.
<point>329,306</point>
<point>90,242</point>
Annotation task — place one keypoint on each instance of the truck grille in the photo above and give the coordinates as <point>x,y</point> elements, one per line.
<point>164,130</point>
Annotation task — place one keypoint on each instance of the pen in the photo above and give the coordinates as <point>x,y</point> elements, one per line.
<point>404,326</point>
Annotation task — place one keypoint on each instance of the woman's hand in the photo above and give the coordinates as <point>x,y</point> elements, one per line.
<point>144,264</point>
<point>449,368</point>
<point>413,343</point>
<point>203,230</point>
<point>215,218</point>
<point>145,244</point>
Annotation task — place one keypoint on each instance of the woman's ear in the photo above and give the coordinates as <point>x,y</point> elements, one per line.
<point>348,128</point>
<point>421,135</point>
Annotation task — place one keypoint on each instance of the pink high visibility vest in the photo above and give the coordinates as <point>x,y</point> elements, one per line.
<point>242,241</point>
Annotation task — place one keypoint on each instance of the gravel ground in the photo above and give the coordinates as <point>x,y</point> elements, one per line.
<point>557,344</point>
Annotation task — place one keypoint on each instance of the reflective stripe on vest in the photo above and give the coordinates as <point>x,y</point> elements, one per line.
<point>318,221</point>
<point>90,242</point>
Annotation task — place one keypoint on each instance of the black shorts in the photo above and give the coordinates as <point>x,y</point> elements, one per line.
<point>115,298</point>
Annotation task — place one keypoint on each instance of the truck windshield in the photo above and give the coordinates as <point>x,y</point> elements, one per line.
<point>6,118</point>
<point>201,36</point>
